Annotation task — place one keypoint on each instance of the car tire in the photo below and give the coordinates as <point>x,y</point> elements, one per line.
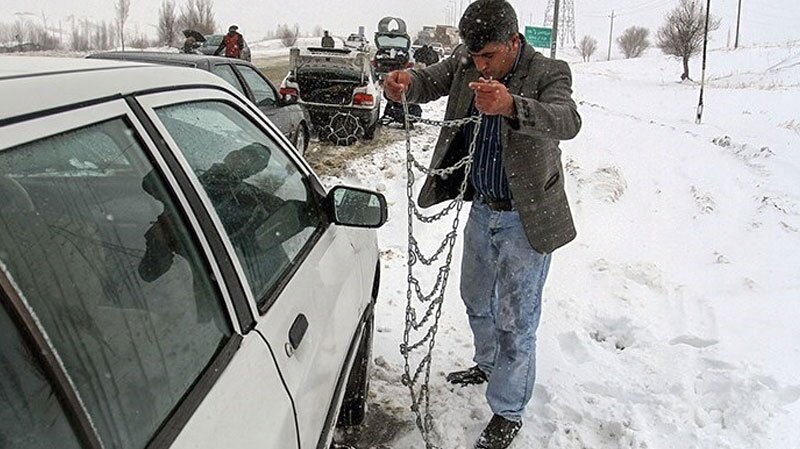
<point>301,139</point>
<point>369,132</point>
<point>354,405</point>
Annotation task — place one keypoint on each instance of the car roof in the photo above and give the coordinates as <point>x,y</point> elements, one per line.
<point>189,60</point>
<point>30,85</point>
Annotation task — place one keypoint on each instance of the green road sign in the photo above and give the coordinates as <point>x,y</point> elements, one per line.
<point>538,37</point>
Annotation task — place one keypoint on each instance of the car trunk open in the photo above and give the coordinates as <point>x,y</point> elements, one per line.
<point>327,85</point>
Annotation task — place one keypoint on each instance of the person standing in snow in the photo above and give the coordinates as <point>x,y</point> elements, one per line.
<point>520,213</point>
<point>232,43</point>
<point>327,40</point>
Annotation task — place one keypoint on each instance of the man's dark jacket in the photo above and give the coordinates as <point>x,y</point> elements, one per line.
<point>545,114</point>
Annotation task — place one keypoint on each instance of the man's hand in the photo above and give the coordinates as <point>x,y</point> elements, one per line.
<point>395,83</point>
<point>492,98</point>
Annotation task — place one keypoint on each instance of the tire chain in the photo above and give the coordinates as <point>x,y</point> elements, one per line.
<point>420,391</point>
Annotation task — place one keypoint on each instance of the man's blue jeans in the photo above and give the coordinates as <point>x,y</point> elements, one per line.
<point>502,278</point>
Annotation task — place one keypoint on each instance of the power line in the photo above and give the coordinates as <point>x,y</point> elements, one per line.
<point>565,17</point>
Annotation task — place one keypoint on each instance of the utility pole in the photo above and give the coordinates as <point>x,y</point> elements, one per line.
<point>703,78</point>
<point>554,39</point>
<point>738,22</point>
<point>610,34</point>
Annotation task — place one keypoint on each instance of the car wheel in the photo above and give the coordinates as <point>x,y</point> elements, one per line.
<point>354,405</point>
<point>301,140</point>
<point>369,132</point>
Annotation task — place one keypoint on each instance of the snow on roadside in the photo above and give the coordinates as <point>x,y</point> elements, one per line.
<point>671,321</point>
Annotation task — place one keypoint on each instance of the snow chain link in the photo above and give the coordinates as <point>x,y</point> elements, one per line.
<point>420,397</point>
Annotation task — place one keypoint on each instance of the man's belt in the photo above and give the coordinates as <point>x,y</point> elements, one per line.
<point>498,205</point>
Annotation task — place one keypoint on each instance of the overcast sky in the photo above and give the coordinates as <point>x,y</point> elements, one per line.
<point>762,20</point>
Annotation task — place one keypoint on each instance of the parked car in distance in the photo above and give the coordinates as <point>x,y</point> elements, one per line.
<point>290,117</point>
<point>439,49</point>
<point>392,51</point>
<point>357,42</point>
<point>171,269</point>
<point>339,89</point>
<point>212,43</point>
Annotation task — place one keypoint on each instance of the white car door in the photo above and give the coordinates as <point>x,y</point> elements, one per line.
<point>122,286</point>
<point>301,273</point>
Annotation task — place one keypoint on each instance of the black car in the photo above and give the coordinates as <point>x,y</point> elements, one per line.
<point>285,112</point>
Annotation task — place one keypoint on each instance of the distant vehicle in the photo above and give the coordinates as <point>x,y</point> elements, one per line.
<point>212,43</point>
<point>172,273</point>
<point>335,85</point>
<point>291,118</point>
<point>357,42</point>
<point>439,48</point>
<point>393,46</point>
<point>393,52</point>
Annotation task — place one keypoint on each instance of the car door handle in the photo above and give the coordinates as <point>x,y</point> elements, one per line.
<point>296,333</point>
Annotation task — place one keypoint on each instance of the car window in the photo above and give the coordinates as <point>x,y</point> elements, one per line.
<point>31,416</point>
<point>225,71</point>
<point>96,245</point>
<point>263,93</point>
<point>258,192</point>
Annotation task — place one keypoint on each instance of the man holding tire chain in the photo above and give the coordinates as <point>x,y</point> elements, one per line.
<point>519,213</point>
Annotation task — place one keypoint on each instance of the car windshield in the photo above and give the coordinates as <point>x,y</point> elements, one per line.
<point>392,41</point>
<point>213,40</point>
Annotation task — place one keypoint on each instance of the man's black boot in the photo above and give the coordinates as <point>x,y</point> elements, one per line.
<point>498,434</point>
<point>470,376</point>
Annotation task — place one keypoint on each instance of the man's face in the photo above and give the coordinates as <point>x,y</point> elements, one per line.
<point>496,59</point>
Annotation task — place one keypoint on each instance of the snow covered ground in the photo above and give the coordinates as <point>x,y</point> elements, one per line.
<point>672,321</point>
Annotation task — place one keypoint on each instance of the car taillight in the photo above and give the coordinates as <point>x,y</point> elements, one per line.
<point>288,91</point>
<point>363,99</point>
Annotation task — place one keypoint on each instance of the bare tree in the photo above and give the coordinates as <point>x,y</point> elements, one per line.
<point>80,35</point>
<point>288,36</point>
<point>206,14</point>
<point>587,47</point>
<point>682,34</point>
<point>167,23</point>
<point>634,41</point>
<point>18,30</point>
<point>123,9</point>
<point>198,15</point>
<point>140,40</point>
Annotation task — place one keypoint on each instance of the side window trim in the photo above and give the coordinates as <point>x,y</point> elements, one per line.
<point>194,211</point>
<point>151,102</point>
<point>247,91</point>
<point>250,94</point>
<point>46,356</point>
<point>261,76</point>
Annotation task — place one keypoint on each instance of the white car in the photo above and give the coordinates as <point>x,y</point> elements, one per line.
<point>357,42</point>
<point>339,89</point>
<point>172,273</point>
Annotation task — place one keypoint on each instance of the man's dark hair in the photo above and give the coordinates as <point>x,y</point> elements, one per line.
<point>487,21</point>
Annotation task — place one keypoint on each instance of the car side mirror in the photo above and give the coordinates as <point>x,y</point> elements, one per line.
<point>361,208</point>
